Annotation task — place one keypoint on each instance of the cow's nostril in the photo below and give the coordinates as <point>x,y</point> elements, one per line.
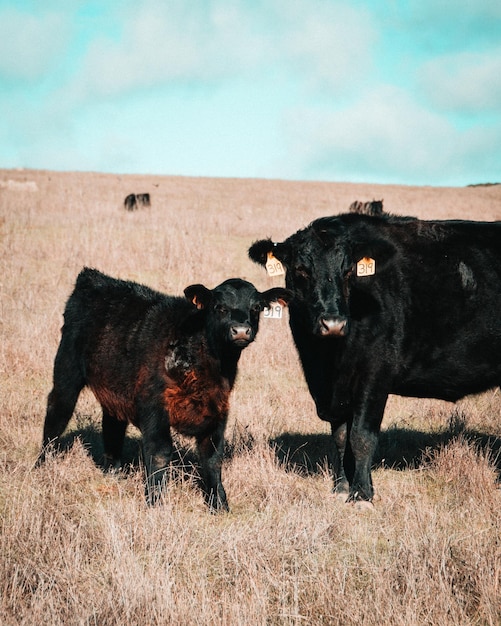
<point>333,327</point>
<point>240,332</point>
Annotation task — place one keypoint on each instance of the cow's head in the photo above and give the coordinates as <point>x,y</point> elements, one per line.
<point>321,270</point>
<point>233,307</point>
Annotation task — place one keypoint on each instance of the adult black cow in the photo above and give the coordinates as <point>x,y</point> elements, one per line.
<point>155,361</point>
<point>371,207</point>
<point>135,200</point>
<point>389,305</point>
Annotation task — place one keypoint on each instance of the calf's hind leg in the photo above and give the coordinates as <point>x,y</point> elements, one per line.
<point>68,382</point>
<point>113,440</point>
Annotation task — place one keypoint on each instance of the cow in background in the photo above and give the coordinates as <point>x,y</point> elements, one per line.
<point>389,305</point>
<point>372,207</point>
<point>137,200</point>
<point>155,361</point>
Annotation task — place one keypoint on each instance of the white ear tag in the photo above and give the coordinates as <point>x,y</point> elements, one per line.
<point>273,312</point>
<point>366,267</point>
<point>273,266</point>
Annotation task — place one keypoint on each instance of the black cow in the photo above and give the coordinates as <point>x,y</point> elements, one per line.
<point>371,207</point>
<point>389,305</point>
<point>135,200</point>
<point>155,361</point>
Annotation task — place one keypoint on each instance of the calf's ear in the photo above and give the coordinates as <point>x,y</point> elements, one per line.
<point>198,295</point>
<point>277,294</point>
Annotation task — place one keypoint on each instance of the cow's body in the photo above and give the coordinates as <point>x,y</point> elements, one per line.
<point>370,207</point>
<point>155,361</point>
<point>427,323</point>
<point>136,200</point>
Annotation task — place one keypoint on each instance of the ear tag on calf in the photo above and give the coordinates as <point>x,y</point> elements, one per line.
<point>273,266</point>
<point>273,312</point>
<point>366,267</point>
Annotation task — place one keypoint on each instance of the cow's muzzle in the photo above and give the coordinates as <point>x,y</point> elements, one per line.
<point>333,327</point>
<point>241,335</point>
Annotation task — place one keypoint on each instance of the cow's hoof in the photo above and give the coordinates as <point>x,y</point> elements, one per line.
<point>341,496</point>
<point>363,505</point>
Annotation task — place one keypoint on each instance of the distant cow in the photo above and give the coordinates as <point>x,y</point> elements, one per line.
<point>136,200</point>
<point>155,361</point>
<point>389,305</point>
<point>372,207</point>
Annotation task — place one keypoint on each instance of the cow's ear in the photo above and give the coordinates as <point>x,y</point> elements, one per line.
<point>259,251</point>
<point>199,295</point>
<point>277,294</point>
<point>381,250</point>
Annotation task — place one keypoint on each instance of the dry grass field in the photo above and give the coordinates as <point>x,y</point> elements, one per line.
<point>81,547</point>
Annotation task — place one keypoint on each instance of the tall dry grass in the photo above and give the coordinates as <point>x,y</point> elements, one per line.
<point>79,547</point>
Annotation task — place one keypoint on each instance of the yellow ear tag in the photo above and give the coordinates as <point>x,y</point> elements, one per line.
<point>366,267</point>
<point>273,266</point>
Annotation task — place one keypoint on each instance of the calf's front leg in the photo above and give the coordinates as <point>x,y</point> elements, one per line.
<point>157,451</point>
<point>210,450</point>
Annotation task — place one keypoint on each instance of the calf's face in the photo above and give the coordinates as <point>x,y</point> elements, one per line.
<point>233,309</point>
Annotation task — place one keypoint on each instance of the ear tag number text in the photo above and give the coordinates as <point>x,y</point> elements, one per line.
<point>273,312</point>
<point>273,266</point>
<point>366,267</point>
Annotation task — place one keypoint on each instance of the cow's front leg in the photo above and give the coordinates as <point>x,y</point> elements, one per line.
<point>339,460</point>
<point>210,449</point>
<point>341,457</point>
<point>363,440</point>
<point>157,452</point>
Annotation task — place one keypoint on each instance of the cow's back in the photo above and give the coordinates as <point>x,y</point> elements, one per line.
<point>112,323</point>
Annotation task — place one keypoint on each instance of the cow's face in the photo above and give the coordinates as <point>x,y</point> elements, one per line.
<point>233,309</point>
<point>320,264</point>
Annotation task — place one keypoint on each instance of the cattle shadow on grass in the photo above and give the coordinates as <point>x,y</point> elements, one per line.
<point>185,461</point>
<point>184,464</point>
<point>398,448</point>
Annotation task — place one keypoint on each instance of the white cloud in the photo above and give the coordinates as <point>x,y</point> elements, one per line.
<point>30,45</point>
<point>465,82</point>
<point>325,44</point>
<point>387,137</point>
<point>331,44</point>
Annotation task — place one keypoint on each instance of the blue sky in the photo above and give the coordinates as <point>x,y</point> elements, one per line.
<point>404,92</point>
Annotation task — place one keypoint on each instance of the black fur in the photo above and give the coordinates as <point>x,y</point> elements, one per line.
<point>155,361</point>
<point>426,324</point>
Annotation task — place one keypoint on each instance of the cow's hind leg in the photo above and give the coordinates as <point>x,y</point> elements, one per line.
<point>68,383</point>
<point>113,440</point>
<point>210,449</point>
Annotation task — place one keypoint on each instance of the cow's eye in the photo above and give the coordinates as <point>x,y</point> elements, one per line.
<point>221,309</point>
<point>301,272</point>
<point>256,308</point>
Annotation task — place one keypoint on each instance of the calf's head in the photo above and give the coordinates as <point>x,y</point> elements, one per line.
<point>232,309</point>
<point>321,270</point>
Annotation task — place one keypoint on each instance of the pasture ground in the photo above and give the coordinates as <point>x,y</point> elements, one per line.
<point>80,547</point>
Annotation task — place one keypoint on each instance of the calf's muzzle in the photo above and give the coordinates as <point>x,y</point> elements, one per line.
<point>241,334</point>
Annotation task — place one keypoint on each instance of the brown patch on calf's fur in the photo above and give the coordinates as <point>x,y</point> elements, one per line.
<point>198,402</point>
<point>117,405</point>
